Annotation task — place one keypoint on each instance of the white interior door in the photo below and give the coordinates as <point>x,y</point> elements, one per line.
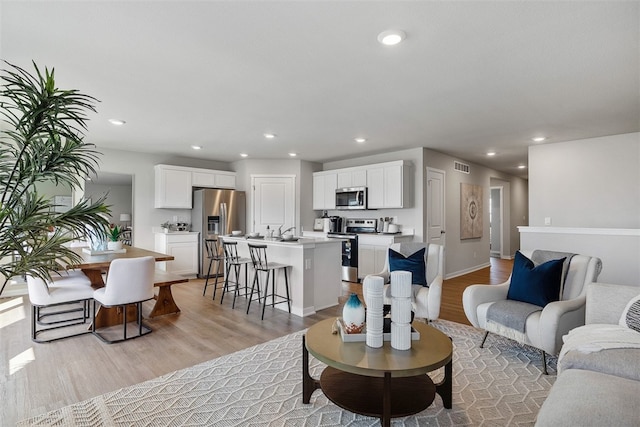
<point>274,202</point>
<point>436,206</point>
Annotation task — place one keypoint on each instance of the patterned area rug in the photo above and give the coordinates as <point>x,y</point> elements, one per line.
<point>498,385</point>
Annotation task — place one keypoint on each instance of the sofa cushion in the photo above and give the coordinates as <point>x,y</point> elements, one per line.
<point>536,285</point>
<point>611,349</point>
<point>630,317</point>
<point>413,263</point>
<point>585,398</point>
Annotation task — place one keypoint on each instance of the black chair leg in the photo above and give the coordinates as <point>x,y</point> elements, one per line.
<point>206,282</point>
<point>215,283</point>
<point>286,284</point>
<point>486,334</point>
<point>266,293</point>
<point>544,362</point>
<point>225,287</point>
<point>253,286</point>
<point>124,317</point>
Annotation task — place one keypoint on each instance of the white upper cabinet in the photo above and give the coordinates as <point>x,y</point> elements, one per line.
<point>174,184</point>
<point>324,190</point>
<point>213,179</point>
<point>352,177</point>
<point>172,187</point>
<point>389,185</point>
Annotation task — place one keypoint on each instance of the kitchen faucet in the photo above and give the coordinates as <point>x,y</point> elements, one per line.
<point>285,231</point>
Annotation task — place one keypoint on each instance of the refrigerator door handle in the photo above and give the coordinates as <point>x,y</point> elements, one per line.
<point>223,218</point>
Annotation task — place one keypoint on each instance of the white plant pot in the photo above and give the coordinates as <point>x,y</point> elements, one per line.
<point>114,246</point>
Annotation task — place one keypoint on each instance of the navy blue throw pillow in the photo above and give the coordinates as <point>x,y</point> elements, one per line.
<point>414,263</point>
<point>536,285</point>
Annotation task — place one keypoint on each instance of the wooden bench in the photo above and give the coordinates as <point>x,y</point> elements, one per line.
<point>165,304</point>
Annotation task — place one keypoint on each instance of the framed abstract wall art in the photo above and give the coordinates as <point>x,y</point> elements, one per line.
<point>470,211</point>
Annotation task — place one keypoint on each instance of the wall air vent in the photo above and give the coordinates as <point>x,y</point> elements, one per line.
<point>461,167</point>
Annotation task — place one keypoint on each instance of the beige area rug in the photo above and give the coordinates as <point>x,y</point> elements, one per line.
<point>499,385</point>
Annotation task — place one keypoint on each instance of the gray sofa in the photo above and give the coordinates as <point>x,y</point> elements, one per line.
<point>597,388</point>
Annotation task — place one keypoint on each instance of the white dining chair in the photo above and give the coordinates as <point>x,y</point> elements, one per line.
<point>129,281</point>
<point>54,303</point>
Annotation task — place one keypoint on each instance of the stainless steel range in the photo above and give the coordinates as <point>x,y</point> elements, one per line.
<point>350,245</point>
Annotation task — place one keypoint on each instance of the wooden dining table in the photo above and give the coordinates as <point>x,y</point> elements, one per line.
<point>93,266</point>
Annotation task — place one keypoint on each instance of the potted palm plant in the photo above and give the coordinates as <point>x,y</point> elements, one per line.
<point>114,243</point>
<point>42,139</point>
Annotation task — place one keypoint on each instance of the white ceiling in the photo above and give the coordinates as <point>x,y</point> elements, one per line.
<point>470,77</point>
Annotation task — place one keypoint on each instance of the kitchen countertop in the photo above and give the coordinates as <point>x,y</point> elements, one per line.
<point>301,242</point>
<point>323,234</point>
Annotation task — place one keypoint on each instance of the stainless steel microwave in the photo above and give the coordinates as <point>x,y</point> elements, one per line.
<point>351,198</point>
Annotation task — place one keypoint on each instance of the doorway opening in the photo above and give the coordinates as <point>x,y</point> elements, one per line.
<point>496,214</point>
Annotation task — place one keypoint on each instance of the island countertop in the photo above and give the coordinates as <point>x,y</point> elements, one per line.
<point>300,241</point>
<point>315,272</point>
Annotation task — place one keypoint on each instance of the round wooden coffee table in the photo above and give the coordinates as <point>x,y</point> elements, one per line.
<point>379,382</point>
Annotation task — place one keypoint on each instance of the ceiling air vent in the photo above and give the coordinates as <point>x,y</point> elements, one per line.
<point>461,167</point>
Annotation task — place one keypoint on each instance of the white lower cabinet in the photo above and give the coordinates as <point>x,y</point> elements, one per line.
<point>372,251</point>
<point>370,259</point>
<point>183,246</point>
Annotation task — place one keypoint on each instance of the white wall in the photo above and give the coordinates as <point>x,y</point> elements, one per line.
<point>463,256</point>
<point>586,183</point>
<point>590,189</point>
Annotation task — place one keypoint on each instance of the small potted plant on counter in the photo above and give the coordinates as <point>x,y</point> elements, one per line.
<point>166,226</point>
<point>114,243</point>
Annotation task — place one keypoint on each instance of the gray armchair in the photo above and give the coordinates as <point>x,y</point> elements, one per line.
<point>543,329</point>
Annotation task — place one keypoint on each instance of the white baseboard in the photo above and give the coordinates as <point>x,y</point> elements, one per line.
<point>467,270</point>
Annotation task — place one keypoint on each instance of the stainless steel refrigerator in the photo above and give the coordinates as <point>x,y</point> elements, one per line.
<point>215,213</point>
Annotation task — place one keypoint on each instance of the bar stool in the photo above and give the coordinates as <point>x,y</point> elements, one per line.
<point>260,263</point>
<point>236,262</point>
<point>214,253</point>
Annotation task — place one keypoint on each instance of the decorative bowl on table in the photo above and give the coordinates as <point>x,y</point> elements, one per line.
<point>288,237</point>
<point>254,234</point>
<point>236,233</point>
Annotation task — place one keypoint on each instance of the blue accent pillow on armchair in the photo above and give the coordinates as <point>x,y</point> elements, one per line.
<point>414,263</point>
<point>537,285</point>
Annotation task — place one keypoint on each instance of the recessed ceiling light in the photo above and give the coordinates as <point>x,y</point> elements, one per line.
<point>117,122</point>
<point>269,135</point>
<point>244,155</point>
<point>521,167</point>
<point>360,140</point>
<point>196,147</point>
<point>539,138</point>
<point>292,154</point>
<point>491,153</point>
<point>391,37</point>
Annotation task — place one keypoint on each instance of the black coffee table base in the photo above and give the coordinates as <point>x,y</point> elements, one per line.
<point>379,397</point>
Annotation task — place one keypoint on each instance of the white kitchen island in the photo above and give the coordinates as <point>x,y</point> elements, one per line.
<point>315,275</point>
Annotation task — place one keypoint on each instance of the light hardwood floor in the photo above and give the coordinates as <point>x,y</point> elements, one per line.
<point>37,378</point>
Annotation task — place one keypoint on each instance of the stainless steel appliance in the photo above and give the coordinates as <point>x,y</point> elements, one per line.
<point>361,226</point>
<point>351,198</point>
<point>349,255</point>
<point>215,213</point>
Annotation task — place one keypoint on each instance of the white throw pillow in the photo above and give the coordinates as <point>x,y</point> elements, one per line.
<point>631,314</point>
